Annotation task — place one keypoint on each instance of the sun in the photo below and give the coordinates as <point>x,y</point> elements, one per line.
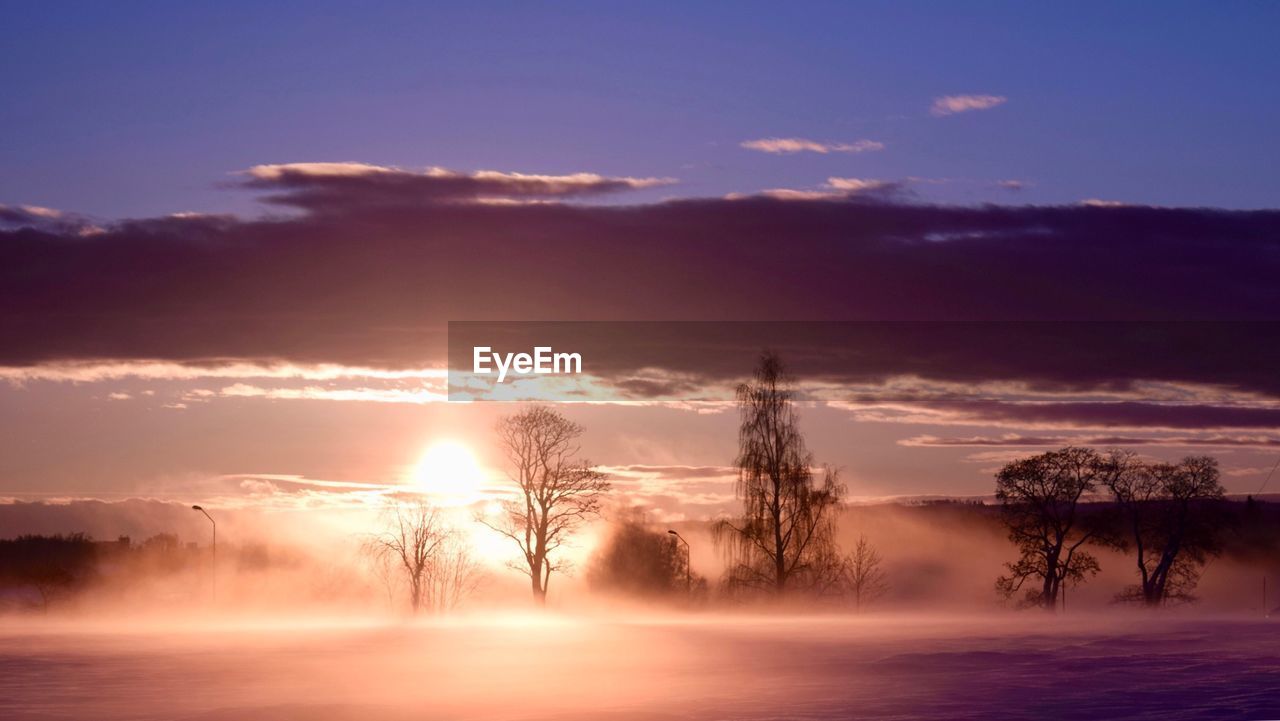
<point>449,473</point>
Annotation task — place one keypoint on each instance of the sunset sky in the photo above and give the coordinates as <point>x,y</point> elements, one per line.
<point>231,237</point>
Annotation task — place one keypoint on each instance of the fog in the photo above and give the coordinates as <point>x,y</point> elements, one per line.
<point>545,666</point>
<point>301,628</point>
<point>941,557</point>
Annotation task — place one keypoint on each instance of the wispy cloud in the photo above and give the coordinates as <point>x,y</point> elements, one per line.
<point>329,186</point>
<point>789,146</point>
<point>1013,440</point>
<point>953,104</point>
<point>859,185</point>
<point>833,189</point>
<point>318,393</point>
<point>157,370</point>
<point>46,219</point>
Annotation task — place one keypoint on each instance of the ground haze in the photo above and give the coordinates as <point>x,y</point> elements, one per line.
<point>694,667</point>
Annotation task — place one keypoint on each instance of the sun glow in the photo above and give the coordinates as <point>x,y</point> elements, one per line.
<point>450,474</point>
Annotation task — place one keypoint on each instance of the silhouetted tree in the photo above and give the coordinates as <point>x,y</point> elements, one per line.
<point>1169,521</point>
<point>864,577</point>
<point>785,539</point>
<point>1040,498</point>
<point>53,566</point>
<point>557,490</point>
<point>641,562</point>
<point>418,547</point>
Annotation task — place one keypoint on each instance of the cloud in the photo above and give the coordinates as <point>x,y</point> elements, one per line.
<point>1022,441</point>
<point>789,146</point>
<point>363,286</point>
<point>1130,415</point>
<point>335,187</point>
<point>677,472</point>
<point>47,219</point>
<point>319,393</point>
<point>675,491</point>
<point>834,189</point>
<point>859,185</point>
<point>93,371</point>
<point>953,104</point>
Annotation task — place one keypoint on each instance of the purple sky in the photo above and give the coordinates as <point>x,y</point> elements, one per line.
<point>230,239</point>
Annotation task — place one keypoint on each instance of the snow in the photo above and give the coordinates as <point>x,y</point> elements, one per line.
<point>1013,666</point>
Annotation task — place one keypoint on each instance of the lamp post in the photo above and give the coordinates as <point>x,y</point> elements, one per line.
<point>213,556</point>
<point>688,563</point>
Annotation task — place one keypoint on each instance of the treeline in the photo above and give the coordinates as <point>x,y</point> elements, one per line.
<point>50,567</point>
<point>38,571</point>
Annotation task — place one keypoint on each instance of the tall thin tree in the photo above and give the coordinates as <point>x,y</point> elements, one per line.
<point>785,539</point>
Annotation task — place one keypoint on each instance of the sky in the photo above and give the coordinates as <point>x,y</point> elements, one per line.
<point>231,236</point>
<point>144,110</point>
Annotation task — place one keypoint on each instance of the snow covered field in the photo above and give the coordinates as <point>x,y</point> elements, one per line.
<point>1017,666</point>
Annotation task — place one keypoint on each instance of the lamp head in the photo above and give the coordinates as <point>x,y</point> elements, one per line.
<point>196,508</point>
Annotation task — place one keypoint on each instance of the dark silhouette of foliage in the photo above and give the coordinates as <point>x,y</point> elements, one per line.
<point>54,566</point>
<point>638,561</point>
<point>1170,517</point>
<point>1039,500</point>
<point>785,539</point>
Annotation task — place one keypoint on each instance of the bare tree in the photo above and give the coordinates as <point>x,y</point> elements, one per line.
<point>418,547</point>
<point>1040,499</point>
<point>785,539</point>
<point>557,490</point>
<point>452,576</point>
<point>864,577</point>
<point>1168,522</point>
<point>386,570</point>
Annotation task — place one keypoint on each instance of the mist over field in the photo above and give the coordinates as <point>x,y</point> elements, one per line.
<point>938,557</point>
<point>917,666</point>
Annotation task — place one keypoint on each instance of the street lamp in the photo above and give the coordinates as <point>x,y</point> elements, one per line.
<point>213,556</point>
<point>688,563</point>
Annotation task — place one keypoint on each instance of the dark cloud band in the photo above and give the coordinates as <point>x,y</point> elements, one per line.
<point>370,274</point>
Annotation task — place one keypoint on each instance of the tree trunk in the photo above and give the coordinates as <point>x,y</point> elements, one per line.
<point>537,582</point>
<point>1049,592</point>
